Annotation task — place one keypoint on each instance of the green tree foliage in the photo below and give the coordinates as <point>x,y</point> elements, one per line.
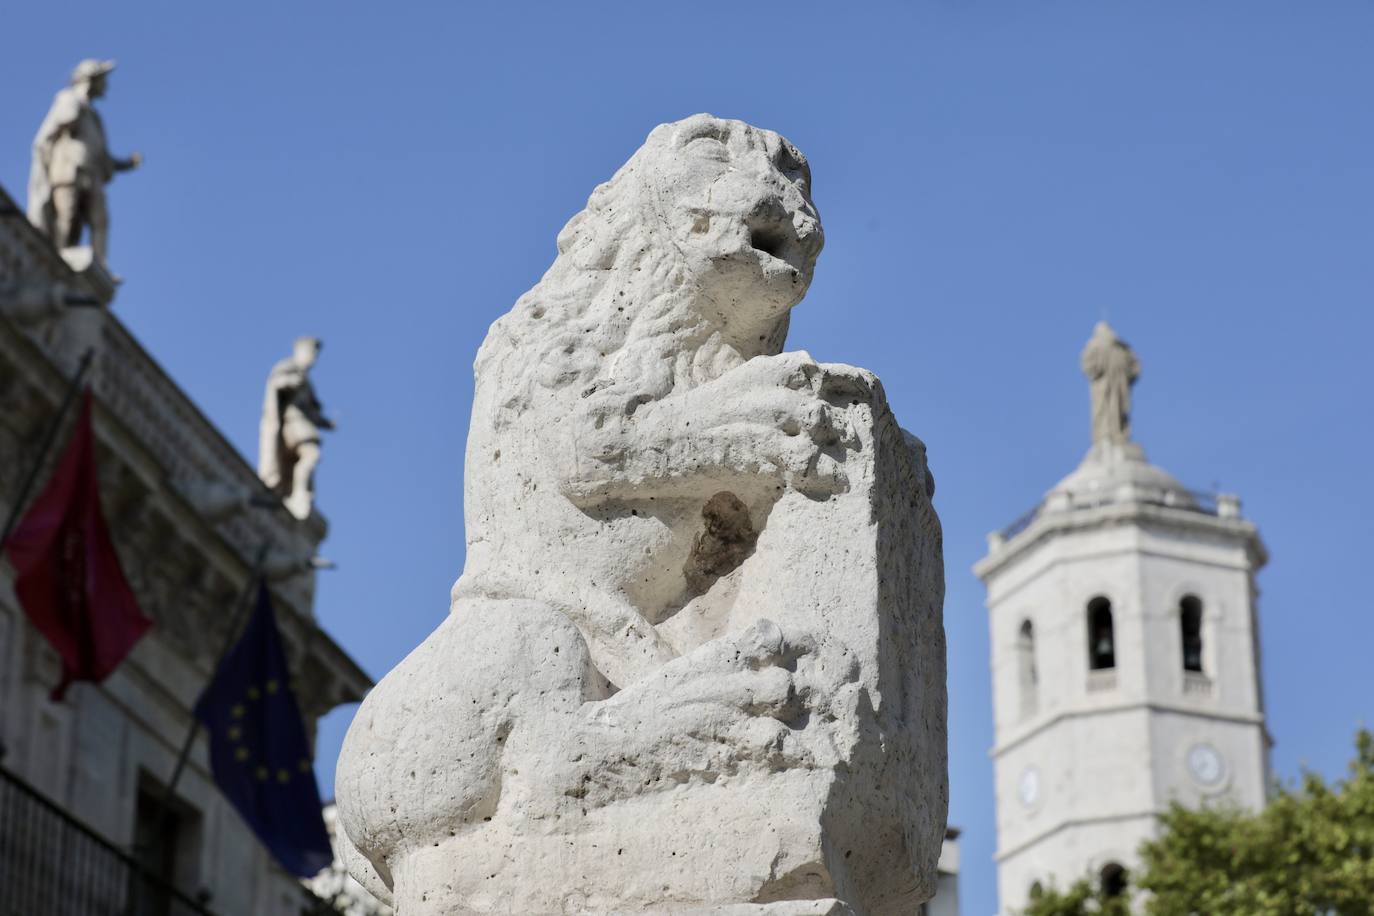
<point>1310,852</point>
<point>1083,898</point>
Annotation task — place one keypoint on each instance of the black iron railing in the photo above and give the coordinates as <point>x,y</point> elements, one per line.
<point>1190,500</point>
<point>1021,524</point>
<point>51,864</point>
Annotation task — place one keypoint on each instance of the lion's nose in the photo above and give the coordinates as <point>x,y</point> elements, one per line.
<point>807,229</point>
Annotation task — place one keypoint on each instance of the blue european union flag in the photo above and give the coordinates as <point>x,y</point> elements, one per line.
<point>259,753</point>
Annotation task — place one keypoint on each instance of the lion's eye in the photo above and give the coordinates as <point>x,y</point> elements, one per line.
<point>709,147</point>
<point>791,165</point>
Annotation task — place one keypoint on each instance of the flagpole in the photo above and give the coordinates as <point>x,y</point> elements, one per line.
<point>49,437</point>
<point>245,599</point>
<point>169,794</point>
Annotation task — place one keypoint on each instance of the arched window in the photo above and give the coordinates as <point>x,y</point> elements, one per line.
<point>1025,650</point>
<point>1113,880</point>
<point>1190,625</point>
<point>1027,672</point>
<point>1101,637</point>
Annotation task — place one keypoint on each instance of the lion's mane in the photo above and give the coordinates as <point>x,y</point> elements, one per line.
<point>616,311</point>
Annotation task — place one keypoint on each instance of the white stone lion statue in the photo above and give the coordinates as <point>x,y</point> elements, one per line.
<point>695,661</point>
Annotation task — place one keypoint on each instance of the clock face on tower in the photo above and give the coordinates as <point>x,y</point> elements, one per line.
<point>1029,787</point>
<point>1206,764</point>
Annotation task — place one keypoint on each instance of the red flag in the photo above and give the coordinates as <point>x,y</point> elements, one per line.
<point>68,578</point>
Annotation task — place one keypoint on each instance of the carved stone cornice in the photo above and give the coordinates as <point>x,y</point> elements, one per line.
<point>31,269</point>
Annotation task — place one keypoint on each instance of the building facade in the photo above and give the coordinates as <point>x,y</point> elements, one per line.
<point>189,517</point>
<point>946,899</point>
<point>1125,667</point>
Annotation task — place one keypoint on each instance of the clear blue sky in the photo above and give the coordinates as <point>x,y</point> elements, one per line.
<point>993,178</point>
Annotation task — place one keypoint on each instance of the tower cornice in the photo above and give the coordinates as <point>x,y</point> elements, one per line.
<point>1049,521</point>
<point>1204,712</point>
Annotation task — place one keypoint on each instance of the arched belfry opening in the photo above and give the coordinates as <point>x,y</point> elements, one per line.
<point>1101,635</point>
<point>1113,878</point>
<point>1190,630</point>
<point>1027,673</point>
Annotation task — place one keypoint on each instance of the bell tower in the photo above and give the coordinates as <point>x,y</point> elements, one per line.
<point>1125,655</point>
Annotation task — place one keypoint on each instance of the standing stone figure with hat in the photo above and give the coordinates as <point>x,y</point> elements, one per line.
<point>71,164</point>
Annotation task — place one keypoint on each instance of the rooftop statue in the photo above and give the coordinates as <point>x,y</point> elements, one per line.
<point>289,434</point>
<point>72,164</point>
<point>695,661</point>
<point>1112,368</point>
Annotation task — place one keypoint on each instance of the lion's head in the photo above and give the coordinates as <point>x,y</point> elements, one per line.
<point>683,266</point>
<point>686,263</point>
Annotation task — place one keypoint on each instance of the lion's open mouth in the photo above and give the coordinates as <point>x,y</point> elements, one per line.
<point>769,240</point>
<point>776,248</point>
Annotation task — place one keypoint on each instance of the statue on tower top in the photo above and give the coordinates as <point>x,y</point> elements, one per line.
<point>1112,368</point>
<point>72,164</point>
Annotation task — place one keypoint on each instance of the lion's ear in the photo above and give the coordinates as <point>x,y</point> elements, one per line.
<point>567,237</point>
<point>584,223</point>
<point>589,241</point>
<point>602,194</point>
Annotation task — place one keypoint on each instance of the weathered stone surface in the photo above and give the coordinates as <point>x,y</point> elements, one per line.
<point>695,662</point>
